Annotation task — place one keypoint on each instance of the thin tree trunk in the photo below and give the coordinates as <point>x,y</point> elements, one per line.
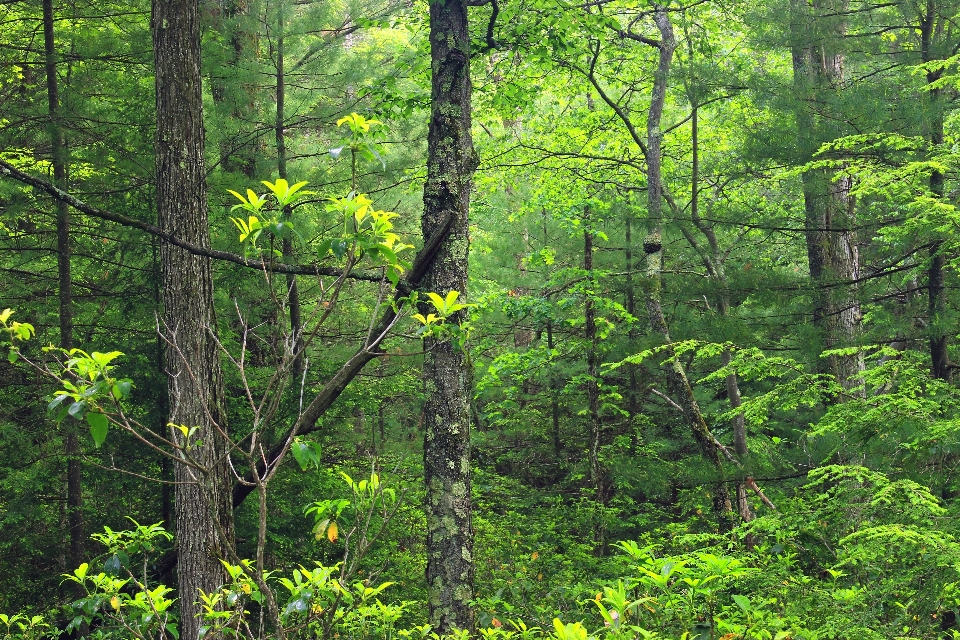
<point>593,387</point>
<point>450,165</point>
<point>554,378</point>
<point>631,305</point>
<point>236,154</point>
<point>293,293</point>
<point>936,300</point>
<point>715,267</point>
<point>653,248</point>
<point>60,159</point>
<point>554,399</point>
<point>195,381</point>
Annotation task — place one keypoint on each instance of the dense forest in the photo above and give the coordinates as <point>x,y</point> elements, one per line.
<point>499,319</point>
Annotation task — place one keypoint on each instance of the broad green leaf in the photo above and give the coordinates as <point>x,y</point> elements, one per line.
<point>99,425</point>
<point>76,409</point>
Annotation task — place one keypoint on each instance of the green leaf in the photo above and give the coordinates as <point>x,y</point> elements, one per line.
<point>437,301</point>
<point>76,409</point>
<point>743,602</point>
<point>99,426</point>
<point>393,275</point>
<point>324,248</point>
<point>104,359</point>
<point>306,453</point>
<point>339,247</point>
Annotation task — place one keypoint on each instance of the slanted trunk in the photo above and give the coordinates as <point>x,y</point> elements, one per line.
<point>204,517</point>
<point>677,380</point>
<point>450,165</point>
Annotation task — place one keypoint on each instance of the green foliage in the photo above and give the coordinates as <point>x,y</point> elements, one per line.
<point>279,228</point>
<point>863,539</point>
<point>366,232</point>
<point>14,331</point>
<point>119,601</point>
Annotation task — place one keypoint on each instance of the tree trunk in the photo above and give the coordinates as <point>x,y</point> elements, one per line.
<point>59,160</point>
<point>714,263</point>
<point>238,153</point>
<point>677,380</point>
<point>593,386</point>
<point>936,299</point>
<point>204,517</point>
<point>450,165</point>
<point>832,252</point>
<point>633,405</point>
<point>293,292</point>
<point>554,399</point>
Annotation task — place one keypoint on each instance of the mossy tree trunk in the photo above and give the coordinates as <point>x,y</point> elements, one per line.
<point>450,166</point>
<point>832,251</point>
<point>204,518</point>
<point>677,380</point>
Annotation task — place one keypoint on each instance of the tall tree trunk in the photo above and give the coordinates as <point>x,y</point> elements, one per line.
<point>293,292</point>
<point>195,384</point>
<point>936,299</point>
<point>237,154</point>
<point>832,252</point>
<point>633,408</point>
<point>653,248</point>
<point>60,159</point>
<point>593,386</point>
<point>450,165</point>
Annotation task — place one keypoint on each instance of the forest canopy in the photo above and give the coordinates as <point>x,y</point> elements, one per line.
<point>510,319</point>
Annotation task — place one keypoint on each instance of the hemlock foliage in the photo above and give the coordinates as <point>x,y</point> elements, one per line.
<point>708,331</point>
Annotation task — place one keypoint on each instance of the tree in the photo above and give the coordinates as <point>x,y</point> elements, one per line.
<point>451,162</point>
<point>832,244</point>
<point>65,281</point>
<point>203,506</point>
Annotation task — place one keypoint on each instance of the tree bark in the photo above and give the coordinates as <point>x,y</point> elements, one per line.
<point>593,386</point>
<point>450,165</point>
<point>653,248</point>
<point>832,253</point>
<point>60,158</point>
<point>204,518</point>
<point>936,272</point>
<point>293,292</point>
<point>238,153</point>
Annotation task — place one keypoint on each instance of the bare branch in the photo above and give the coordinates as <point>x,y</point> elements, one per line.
<point>9,170</point>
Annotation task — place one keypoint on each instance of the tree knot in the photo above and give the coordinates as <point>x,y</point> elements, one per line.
<point>652,243</point>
